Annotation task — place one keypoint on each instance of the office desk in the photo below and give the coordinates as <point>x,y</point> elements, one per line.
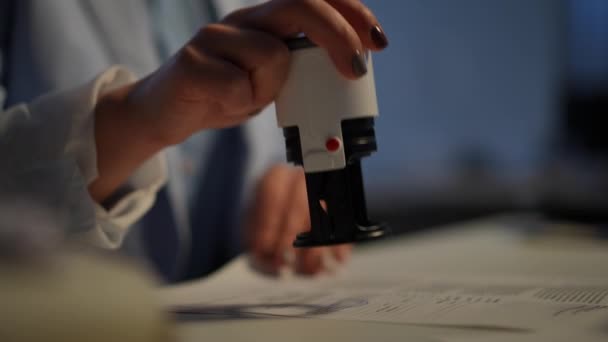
<point>493,248</point>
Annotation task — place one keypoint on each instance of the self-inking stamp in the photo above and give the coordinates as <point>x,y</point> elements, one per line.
<point>328,124</point>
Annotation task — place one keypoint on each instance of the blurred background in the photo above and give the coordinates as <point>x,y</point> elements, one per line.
<point>490,106</point>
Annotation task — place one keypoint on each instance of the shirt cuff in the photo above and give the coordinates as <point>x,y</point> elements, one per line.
<point>139,192</point>
<point>137,197</point>
<point>111,224</point>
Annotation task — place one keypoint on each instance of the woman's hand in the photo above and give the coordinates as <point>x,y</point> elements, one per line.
<point>278,213</point>
<point>226,72</point>
<point>234,68</point>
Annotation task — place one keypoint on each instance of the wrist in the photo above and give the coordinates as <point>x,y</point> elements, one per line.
<point>116,111</point>
<point>123,141</point>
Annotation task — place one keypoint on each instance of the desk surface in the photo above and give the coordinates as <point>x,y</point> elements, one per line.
<point>488,248</point>
<point>497,246</point>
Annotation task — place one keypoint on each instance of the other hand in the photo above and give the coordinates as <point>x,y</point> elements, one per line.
<point>278,213</point>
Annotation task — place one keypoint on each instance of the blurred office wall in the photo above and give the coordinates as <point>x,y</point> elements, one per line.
<point>469,90</point>
<point>468,81</point>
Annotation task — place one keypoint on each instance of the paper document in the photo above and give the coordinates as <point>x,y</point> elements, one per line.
<point>485,276</point>
<point>472,302</point>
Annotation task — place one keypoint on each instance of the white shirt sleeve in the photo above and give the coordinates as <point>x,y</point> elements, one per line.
<point>48,156</point>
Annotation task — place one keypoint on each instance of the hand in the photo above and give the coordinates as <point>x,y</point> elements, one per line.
<point>278,213</point>
<point>236,67</point>
<point>223,74</point>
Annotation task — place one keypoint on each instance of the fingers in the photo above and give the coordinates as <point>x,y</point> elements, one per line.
<point>264,57</point>
<point>341,253</point>
<point>280,212</point>
<point>265,226</point>
<point>312,261</point>
<point>321,22</point>
<point>209,75</point>
<point>309,261</point>
<point>363,21</point>
<point>188,81</point>
<point>296,218</point>
<point>232,69</point>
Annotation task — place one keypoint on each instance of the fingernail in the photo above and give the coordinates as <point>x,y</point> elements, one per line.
<point>359,65</point>
<point>378,37</point>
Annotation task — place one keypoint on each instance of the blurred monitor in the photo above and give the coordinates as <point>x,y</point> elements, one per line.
<point>481,101</point>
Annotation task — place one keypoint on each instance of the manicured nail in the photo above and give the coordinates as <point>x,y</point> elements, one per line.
<point>378,37</point>
<point>359,64</point>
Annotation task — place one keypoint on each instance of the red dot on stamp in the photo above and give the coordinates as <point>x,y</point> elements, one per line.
<point>333,144</point>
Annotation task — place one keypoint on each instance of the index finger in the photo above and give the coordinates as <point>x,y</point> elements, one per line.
<point>321,22</point>
<point>363,21</point>
<point>265,225</point>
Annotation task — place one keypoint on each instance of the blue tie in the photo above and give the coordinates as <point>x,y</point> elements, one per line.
<point>160,237</point>
<point>215,237</point>
<point>213,213</point>
<point>215,234</point>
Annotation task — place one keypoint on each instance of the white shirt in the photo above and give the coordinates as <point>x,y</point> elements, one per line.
<point>48,155</point>
<point>64,164</point>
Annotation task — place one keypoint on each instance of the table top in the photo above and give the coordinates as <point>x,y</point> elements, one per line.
<point>492,248</point>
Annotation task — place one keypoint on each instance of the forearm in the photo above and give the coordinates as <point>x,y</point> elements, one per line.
<point>122,141</point>
<point>49,157</point>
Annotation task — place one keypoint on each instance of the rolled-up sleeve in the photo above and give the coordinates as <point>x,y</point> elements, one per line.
<point>48,156</point>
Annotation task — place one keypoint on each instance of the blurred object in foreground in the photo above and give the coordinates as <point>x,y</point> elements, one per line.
<point>28,233</point>
<point>51,291</point>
